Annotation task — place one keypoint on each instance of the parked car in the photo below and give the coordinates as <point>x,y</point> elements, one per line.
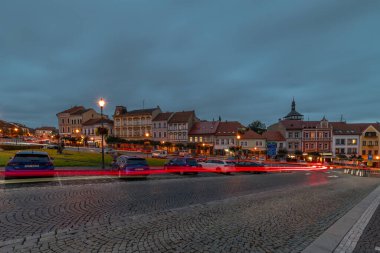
<point>183,153</point>
<point>107,150</point>
<point>131,166</point>
<point>201,158</point>
<point>52,146</point>
<point>29,163</point>
<point>182,166</point>
<point>218,165</point>
<point>159,154</point>
<point>249,166</point>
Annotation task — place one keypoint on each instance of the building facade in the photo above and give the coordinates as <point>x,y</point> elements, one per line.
<point>135,124</point>
<point>369,145</point>
<point>160,126</point>
<point>70,121</point>
<point>226,136</point>
<point>202,134</point>
<point>91,133</point>
<point>317,137</point>
<point>45,132</point>
<point>179,126</point>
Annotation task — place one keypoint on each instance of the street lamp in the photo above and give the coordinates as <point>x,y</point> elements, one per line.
<point>101,104</point>
<point>237,145</point>
<point>16,130</point>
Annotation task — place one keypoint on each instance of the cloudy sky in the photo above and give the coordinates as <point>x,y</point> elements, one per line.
<point>242,60</point>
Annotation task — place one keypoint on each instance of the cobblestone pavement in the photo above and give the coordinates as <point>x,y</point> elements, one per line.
<point>370,239</point>
<point>240,213</point>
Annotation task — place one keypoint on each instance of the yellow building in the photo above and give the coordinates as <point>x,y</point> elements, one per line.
<point>369,145</point>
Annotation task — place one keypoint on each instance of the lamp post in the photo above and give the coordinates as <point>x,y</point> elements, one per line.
<point>147,136</point>
<point>77,132</point>
<point>101,104</point>
<point>237,145</point>
<point>16,130</point>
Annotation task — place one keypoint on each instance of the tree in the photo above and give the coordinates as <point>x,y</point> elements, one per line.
<point>257,126</point>
<point>282,152</point>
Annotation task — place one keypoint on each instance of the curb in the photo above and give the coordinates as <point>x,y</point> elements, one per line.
<point>334,235</point>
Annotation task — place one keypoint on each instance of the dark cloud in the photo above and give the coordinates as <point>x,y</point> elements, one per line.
<point>243,60</point>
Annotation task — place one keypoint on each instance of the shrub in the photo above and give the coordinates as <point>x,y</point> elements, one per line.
<point>19,147</point>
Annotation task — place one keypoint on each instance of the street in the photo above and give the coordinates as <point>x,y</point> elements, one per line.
<point>281,212</point>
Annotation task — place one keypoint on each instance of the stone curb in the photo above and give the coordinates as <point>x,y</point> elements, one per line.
<point>332,237</point>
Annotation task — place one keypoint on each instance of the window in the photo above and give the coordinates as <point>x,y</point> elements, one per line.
<point>369,152</point>
<point>295,145</point>
<point>281,145</point>
<point>196,139</point>
<point>159,124</point>
<point>154,135</point>
<point>320,145</point>
<point>326,146</point>
<point>296,135</point>
<point>312,145</point>
<point>63,121</point>
<point>376,143</point>
<point>222,142</point>
<point>164,134</point>
<point>200,139</point>
<point>159,135</point>
<point>191,139</point>
<point>307,145</point>
<point>290,135</point>
<point>306,135</point>
<point>376,152</point>
<point>326,135</point>
<point>364,143</point>
<point>337,151</point>
<point>290,146</point>
<point>370,143</point>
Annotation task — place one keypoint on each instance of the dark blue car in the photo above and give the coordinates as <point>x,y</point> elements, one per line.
<point>29,163</point>
<point>131,166</point>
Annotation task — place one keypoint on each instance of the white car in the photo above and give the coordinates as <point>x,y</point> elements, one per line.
<point>159,154</point>
<point>218,165</point>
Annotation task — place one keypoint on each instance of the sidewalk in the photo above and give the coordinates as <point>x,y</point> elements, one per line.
<point>357,231</point>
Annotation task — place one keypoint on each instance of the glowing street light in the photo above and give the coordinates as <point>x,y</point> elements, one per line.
<point>102,103</point>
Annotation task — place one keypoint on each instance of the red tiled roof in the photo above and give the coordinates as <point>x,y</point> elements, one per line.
<point>73,109</point>
<point>342,128</point>
<point>163,116</point>
<point>80,112</point>
<point>46,128</point>
<point>251,135</point>
<point>97,121</point>
<point>204,128</point>
<point>142,111</point>
<point>274,136</point>
<point>228,128</point>
<point>292,124</point>
<point>181,117</point>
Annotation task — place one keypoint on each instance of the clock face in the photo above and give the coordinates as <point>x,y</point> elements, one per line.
<point>117,112</point>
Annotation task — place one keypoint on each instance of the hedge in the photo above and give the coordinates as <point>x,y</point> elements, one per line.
<point>20,147</point>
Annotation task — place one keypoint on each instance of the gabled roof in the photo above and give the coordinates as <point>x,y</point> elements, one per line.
<point>292,124</point>
<point>80,112</point>
<point>46,128</point>
<point>251,135</point>
<point>142,111</point>
<point>343,128</point>
<point>91,122</point>
<point>181,117</point>
<point>204,128</point>
<point>271,135</point>
<point>163,116</point>
<point>72,110</point>
<point>228,128</point>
